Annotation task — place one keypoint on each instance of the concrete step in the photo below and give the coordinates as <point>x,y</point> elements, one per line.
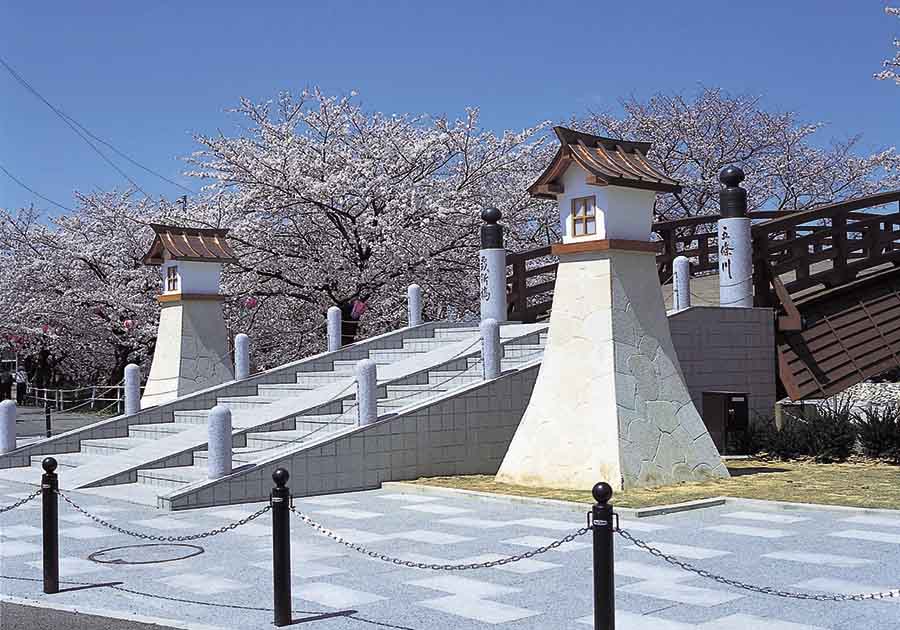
<point>157,430</point>
<point>393,355</point>
<point>349,367</point>
<point>110,446</point>
<point>65,460</point>
<point>524,352</point>
<point>277,439</point>
<point>245,402</point>
<point>318,379</point>
<point>173,477</point>
<point>192,416</point>
<point>456,333</point>
<point>284,390</point>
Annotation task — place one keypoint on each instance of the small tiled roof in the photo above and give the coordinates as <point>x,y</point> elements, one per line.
<point>183,243</point>
<point>608,162</point>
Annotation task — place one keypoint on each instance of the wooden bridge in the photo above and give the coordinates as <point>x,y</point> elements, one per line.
<point>831,273</point>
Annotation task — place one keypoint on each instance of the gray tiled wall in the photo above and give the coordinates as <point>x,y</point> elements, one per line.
<point>463,434</point>
<point>728,349</point>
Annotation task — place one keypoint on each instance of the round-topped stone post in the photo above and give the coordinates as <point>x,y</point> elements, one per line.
<point>241,356</point>
<point>491,351</point>
<point>132,389</point>
<point>7,426</point>
<point>281,547</point>
<point>735,246</point>
<point>492,267</point>
<point>50,524</point>
<point>604,576</point>
<point>334,328</point>
<point>414,304</point>
<point>366,392</point>
<point>219,442</point>
<point>681,283</point>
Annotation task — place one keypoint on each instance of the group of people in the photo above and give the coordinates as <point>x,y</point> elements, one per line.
<point>8,379</point>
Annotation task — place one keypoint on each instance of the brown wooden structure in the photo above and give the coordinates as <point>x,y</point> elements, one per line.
<point>832,274</point>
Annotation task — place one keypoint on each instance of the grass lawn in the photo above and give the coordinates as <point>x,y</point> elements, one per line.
<point>858,484</point>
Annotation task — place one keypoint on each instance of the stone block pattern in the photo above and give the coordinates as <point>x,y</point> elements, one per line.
<point>610,401</point>
<point>728,350</point>
<point>466,433</point>
<point>662,438</point>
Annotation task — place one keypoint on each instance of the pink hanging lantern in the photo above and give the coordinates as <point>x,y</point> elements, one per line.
<point>359,307</point>
<point>251,302</point>
<point>129,324</point>
<point>45,328</point>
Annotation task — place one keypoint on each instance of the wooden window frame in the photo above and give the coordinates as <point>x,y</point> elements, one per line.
<point>172,278</point>
<point>589,202</point>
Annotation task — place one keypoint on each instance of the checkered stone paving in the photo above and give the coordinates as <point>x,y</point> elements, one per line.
<point>335,588</point>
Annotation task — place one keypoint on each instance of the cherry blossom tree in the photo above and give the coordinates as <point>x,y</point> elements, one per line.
<point>332,205</point>
<point>78,303</point>
<point>891,66</point>
<point>786,165</point>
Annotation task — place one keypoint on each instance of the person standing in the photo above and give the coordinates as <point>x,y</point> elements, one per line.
<point>21,386</point>
<point>6,383</point>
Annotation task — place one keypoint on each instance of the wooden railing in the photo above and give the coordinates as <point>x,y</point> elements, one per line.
<point>784,242</point>
<point>816,250</point>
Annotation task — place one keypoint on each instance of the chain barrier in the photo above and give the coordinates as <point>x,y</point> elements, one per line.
<point>437,567</point>
<point>763,590</point>
<point>184,538</point>
<point>30,497</point>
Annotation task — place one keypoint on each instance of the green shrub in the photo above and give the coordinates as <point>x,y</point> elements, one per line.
<point>831,430</point>
<point>879,430</point>
<point>789,442</point>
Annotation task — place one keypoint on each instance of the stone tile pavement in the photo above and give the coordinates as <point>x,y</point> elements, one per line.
<point>334,588</point>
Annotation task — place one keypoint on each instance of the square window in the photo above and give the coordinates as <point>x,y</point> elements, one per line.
<point>172,278</point>
<point>584,212</point>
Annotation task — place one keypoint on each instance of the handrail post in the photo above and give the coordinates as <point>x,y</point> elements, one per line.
<point>604,571</point>
<point>50,523</point>
<point>281,547</point>
<point>47,419</point>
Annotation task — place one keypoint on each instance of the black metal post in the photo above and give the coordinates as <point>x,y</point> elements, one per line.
<point>49,487</point>
<point>281,547</point>
<point>604,578</point>
<point>47,417</point>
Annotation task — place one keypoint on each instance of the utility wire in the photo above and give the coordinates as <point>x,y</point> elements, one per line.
<point>62,116</point>
<point>32,190</point>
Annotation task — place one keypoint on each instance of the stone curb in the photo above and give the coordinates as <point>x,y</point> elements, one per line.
<point>656,510</point>
<point>109,614</point>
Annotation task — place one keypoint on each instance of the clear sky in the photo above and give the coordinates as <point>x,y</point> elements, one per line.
<point>145,76</point>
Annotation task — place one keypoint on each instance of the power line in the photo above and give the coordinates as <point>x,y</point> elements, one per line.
<point>62,116</point>
<point>32,190</point>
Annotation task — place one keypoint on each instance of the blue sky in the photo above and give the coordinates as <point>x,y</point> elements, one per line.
<point>145,76</point>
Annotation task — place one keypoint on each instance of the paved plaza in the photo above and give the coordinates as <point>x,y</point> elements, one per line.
<point>802,548</point>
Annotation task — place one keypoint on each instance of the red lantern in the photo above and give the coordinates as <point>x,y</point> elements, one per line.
<point>45,328</point>
<point>128,324</point>
<point>251,302</point>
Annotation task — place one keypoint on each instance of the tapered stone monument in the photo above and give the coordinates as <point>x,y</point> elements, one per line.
<point>610,401</point>
<point>192,343</point>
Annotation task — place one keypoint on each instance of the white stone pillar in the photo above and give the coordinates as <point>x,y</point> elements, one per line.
<point>735,244</point>
<point>414,304</point>
<point>681,283</point>
<point>491,352</point>
<point>492,267</point>
<point>219,442</point>
<point>132,389</point>
<point>366,392</point>
<point>334,328</point>
<point>241,356</point>
<point>7,426</point>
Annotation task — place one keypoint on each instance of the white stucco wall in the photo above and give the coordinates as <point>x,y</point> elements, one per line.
<point>622,213</point>
<point>610,403</point>
<point>191,351</point>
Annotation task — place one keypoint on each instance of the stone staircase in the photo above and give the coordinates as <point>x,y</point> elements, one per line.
<point>255,438</point>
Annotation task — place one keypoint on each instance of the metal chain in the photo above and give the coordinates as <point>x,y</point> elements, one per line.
<point>30,497</point>
<point>142,536</point>
<point>764,590</point>
<point>437,567</point>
